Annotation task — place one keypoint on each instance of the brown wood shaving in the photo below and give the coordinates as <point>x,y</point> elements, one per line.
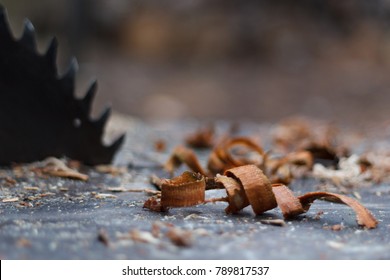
<point>187,189</point>
<point>257,187</point>
<point>203,138</point>
<point>288,203</point>
<point>224,155</point>
<point>363,216</point>
<point>247,185</point>
<point>105,195</point>
<point>180,237</point>
<point>143,237</point>
<point>184,155</point>
<point>23,242</point>
<point>110,169</point>
<point>30,188</point>
<point>274,222</point>
<point>160,145</point>
<point>10,181</point>
<point>56,167</point>
<point>11,199</point>
<point>154,204</point>
<point>103,237</point>
<point>237,198</point>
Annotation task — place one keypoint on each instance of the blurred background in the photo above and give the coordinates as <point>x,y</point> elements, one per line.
<point>223,59</point>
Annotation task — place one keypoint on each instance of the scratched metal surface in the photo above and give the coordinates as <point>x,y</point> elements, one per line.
<point>65,224</point>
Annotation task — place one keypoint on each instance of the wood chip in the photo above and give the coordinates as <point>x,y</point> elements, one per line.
<point>274,222</point>
<point>105,195</point>
<point>160,145</point>
<point>10,181</point>
<point>180,237</point>
<point>29,188</point>
<point>23,243</point>
<point>103,237</point>
<point>110,169</point>
<point>143,237</point>
<point>11,199</point>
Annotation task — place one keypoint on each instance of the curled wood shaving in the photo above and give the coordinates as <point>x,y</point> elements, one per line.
<point>287,202</point>
<point>363,216</point>
<point>203,138</point>
<point>237,198</point>
<point>225,155</point>
<point>184,155</point>
<point>187,189</point>
<point>280,170</point>
<point>257,187</point>
<point>239,151</point>
<point>247,185</point>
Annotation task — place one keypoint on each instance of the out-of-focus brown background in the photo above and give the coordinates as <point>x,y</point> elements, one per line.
<point>230,59</point>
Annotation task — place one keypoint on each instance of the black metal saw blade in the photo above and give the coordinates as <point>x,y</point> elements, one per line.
<point>39,113</point>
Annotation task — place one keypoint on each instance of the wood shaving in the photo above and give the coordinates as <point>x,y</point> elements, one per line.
<point>274,222</point>
<point>11,199</point>
<point>187,189</point>
<point>180,237</point>
<point>110,169</point>
<point>104,195</point>
<point>9,181</point>
<point>184,155</point>
<point>23,242</point>
<point>203,138</point>
<point>160,145</point>
<point>363,216</point>
<point>103,237</point>
<point>143,237</point>
<point>256,185</point>
<point>29,188</point>
<point>287,202</point>
<point>56,167</point>
<point>247,185</point>
<point>348,173</point>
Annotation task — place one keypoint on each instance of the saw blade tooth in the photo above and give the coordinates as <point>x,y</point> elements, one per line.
<point>68,79</point>
<point>5,32</point>
<point>28,36</point>
<point>51,54</point>
<point>117,143</point>
<point>87,100</point>
<point>101,121</point>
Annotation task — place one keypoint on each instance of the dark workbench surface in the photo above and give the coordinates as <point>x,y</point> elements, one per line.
<point>68,219</point>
